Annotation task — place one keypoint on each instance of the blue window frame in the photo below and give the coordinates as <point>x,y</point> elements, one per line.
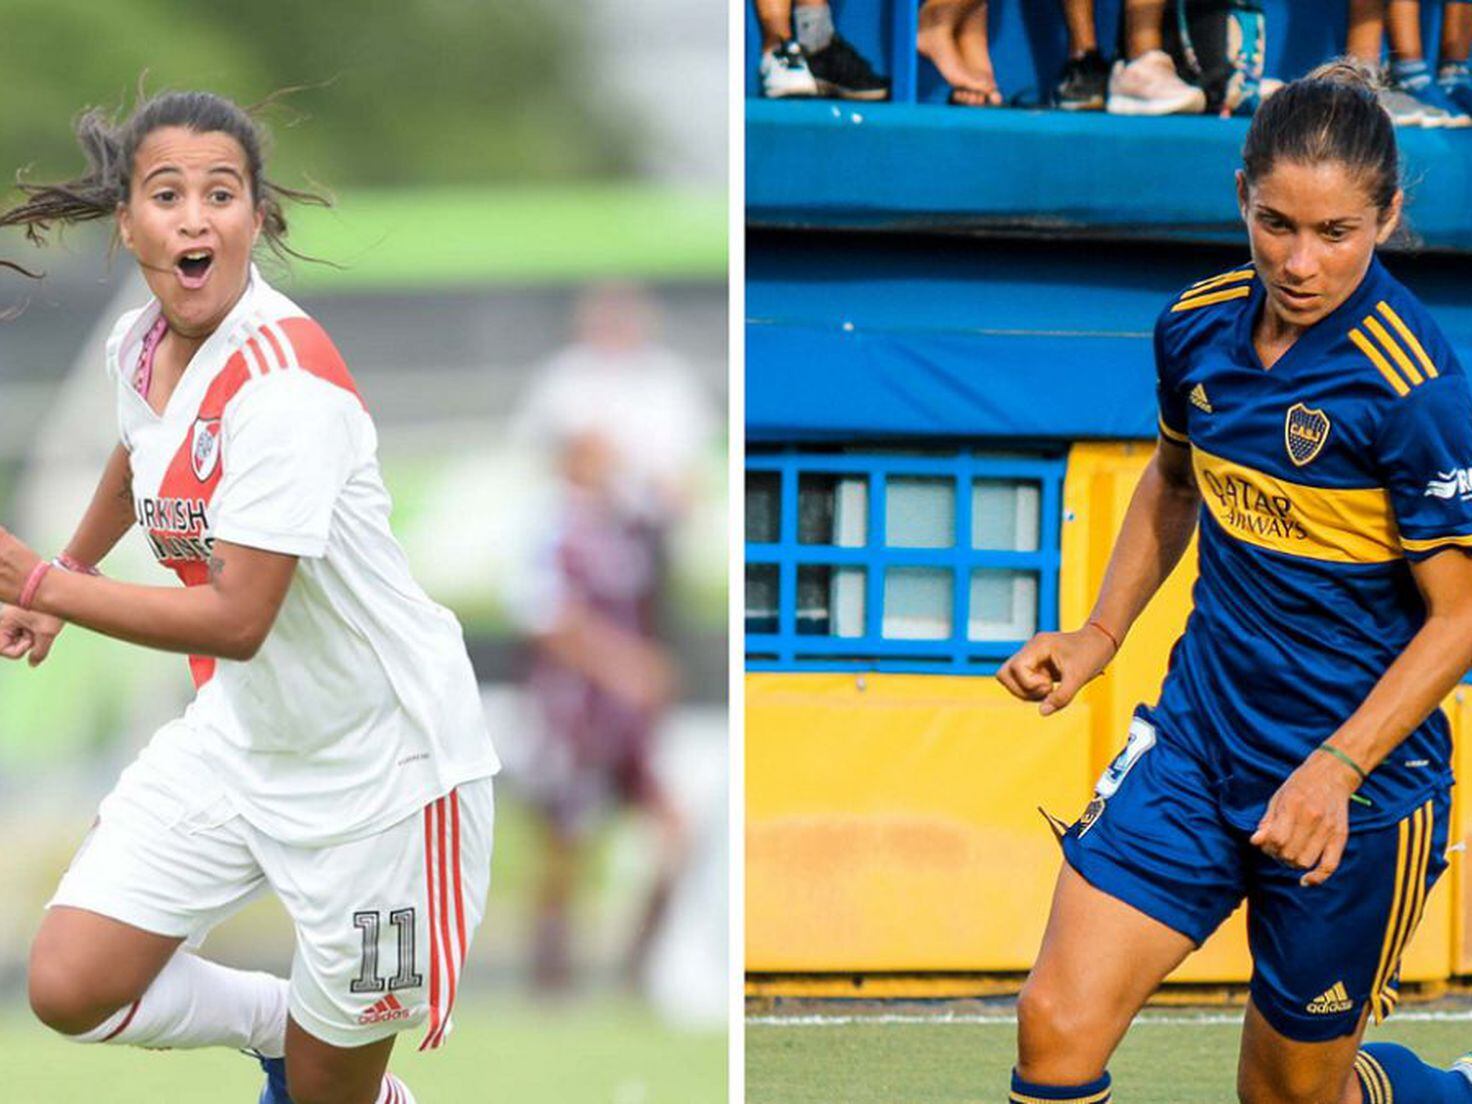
<point>870,560</point>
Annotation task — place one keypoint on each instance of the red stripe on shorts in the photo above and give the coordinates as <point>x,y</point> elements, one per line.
<point>447,947</point>
<point>434,947</point>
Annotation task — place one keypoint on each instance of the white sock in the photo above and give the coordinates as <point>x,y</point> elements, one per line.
<point>394,1091</point>
<point>196,1003</point>
<point>813,24</point>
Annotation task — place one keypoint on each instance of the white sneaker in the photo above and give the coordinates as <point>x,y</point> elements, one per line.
<point>1403,108</point>
<point>785,72</point>
<point>1149,85</point>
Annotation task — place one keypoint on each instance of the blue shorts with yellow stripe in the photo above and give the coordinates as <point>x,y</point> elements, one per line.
<point>1154,838</point>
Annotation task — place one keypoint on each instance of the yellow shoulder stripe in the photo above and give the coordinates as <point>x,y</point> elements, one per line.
<point>1406,336</point>
<point>1362,343</point>
<point>1193,300</point>
<point>1392,347</point>
<point>1172,434</point>
<point>1235,276</point>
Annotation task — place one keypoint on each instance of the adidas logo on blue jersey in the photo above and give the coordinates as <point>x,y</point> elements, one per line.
<point>1198,398</point>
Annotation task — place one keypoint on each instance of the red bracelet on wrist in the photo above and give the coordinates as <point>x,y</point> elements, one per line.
<point>1112,639</point>
<point>33,584</point>
<point>68,562</point>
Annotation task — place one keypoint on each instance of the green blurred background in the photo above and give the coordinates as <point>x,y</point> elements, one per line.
<point>488,163</point>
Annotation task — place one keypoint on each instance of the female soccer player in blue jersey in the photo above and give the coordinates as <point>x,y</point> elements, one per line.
<point>1316,422</point>
<point>335,752</point>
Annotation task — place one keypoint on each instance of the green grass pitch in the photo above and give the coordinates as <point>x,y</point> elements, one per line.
<point>503,1050</point>
<point>1160,1062</point>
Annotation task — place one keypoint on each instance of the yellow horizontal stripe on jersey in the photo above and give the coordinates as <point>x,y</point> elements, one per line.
<point>1462,541</point>
<point>1236,275</point>
<point>1362,343</point>
<point>1192,301</point>
<point>1318,523</point>
<point>1406,336</point>
<point>1391,346</point>
<point>1172,434</point>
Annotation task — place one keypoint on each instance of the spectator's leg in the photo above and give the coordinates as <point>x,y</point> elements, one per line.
<point>1142,27</point>
<point>1456,32</point>
<point>971,39</point>
<point>1403,23</point>
<point>952,35</point>
<point>775,17</point>
<point>1453,74</point>
<point>1082,38</point>
<point>1366,30</point>
<point>1412,74</point>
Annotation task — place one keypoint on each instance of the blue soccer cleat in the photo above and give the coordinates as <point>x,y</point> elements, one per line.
<point>275,1090</point>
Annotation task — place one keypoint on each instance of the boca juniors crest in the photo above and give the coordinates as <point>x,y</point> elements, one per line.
<point>1304,433</point>
<point>204,448</point>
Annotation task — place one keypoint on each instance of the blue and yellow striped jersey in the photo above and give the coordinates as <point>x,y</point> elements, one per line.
<point>1320,478</point>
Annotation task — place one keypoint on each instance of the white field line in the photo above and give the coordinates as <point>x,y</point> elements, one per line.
<point>1198,1019</point>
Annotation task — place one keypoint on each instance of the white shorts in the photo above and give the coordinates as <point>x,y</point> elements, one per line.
<point>382,923</point>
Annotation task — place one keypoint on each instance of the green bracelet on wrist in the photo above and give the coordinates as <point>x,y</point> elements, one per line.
<point>1326,746</point>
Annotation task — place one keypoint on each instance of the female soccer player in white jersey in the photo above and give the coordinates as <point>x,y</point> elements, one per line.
<point>1316,426</point>
<point>335,751</point>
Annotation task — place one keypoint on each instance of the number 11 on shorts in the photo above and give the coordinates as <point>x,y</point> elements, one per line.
<point>369,980</point>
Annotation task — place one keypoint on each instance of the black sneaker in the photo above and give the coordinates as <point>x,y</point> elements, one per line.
<point>1083,83</point>
<point>841,72</point>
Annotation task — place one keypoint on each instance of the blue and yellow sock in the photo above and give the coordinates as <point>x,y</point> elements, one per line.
<point>1388,1072</point>
<point>1025,1092</point>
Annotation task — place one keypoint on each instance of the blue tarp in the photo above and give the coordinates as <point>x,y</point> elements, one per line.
<point>872,336</point>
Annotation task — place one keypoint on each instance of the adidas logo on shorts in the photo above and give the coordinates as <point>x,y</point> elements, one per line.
<point>1334,999</point>
<point>385,1010</point>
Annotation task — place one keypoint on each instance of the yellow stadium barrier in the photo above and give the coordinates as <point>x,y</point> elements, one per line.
<point>892,823</point>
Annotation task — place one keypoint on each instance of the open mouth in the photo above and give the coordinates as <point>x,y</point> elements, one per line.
<point>194,267</point>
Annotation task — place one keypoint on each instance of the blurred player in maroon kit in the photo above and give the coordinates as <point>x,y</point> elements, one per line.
<point>601,681</point>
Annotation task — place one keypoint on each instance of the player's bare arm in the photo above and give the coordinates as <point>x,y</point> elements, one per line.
<point>227,619</point>
<point>1307,821</point>
<point>1052,666</point>
<point>29,634</point>
<point>627,666</point>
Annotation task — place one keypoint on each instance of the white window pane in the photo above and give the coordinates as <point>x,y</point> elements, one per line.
<point>920,513</point>
<point>1004,605</point>
<point>763,506</point>
<point>832,509</point>
<point>917,603</point>
<point>1005,514</point>
<point>830,600</point>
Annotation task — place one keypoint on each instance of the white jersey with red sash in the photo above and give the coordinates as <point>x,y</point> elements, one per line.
<point>361,706</point>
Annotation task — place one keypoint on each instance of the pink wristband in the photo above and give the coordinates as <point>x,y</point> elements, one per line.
<point>33,584</point>
<point>70,563</point>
